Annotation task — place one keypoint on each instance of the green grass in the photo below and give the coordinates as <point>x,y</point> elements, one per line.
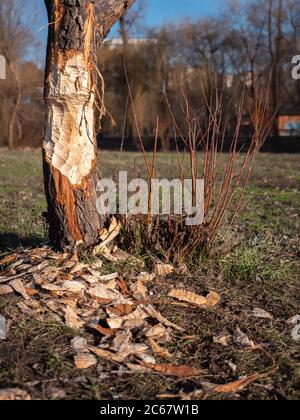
<point>255,266</point>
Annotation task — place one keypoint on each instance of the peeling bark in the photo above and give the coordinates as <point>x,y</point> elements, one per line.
<point>76,28</point>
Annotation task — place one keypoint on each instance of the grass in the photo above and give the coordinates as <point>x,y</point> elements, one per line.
<point>255,266</point>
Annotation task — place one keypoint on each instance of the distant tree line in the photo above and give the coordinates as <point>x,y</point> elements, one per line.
<point>246,48</point>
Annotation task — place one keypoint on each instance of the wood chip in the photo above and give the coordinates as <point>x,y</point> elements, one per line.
<point>85,361</point>
<point>102,292</point>
<point>71,318</point>
<point>79,344</point>
<point>7,260</point>
<point>18,287</point>
<point>262,314</point>
<point>163,270</point>
<point>73,286</point>
<point>243,340</point>
<point>139,291</point>
<point>6,290</point>
<point>152,312</point>
<point>183,295</point>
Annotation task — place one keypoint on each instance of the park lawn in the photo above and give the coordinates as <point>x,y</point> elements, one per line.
<point>255,266</point>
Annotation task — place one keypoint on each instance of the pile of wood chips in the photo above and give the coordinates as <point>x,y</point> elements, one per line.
<point>57,287</point>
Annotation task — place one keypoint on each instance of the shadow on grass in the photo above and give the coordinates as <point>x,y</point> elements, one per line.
<point>10,241</point>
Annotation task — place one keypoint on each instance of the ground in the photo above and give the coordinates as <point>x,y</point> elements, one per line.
<point>255,266</point>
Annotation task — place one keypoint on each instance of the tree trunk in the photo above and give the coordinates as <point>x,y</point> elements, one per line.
<point>76,29</point>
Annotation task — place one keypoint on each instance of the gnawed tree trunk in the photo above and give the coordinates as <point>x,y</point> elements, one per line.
<point>76,29</point>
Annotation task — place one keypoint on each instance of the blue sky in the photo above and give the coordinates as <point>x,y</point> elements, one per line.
<point>157,13</point>
<point>161,11</point>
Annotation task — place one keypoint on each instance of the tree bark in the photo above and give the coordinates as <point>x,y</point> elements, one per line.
<point>76,29</point>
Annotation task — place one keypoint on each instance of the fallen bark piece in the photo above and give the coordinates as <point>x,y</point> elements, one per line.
<point>7,260</point>
<point>18,287</point>
<point>239,385</point>
<point>6,290</point>
<point>14,394</point>
<point>85,361</point>
<point>163,270</point>
<point>171,370</point>
<point>183,295</point>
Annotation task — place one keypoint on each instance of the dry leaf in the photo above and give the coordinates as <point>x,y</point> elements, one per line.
<point>18,286</point>
<point>85,361</point>
<point>6,290</point>
<point>183,295</point>
<point>239,385</point>
<point>163,270</point>
<point>262,314</point>
<point>157,349</point>
<point>171,370</point>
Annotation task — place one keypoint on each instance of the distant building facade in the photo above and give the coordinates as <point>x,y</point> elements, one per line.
<point>289,122</point>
